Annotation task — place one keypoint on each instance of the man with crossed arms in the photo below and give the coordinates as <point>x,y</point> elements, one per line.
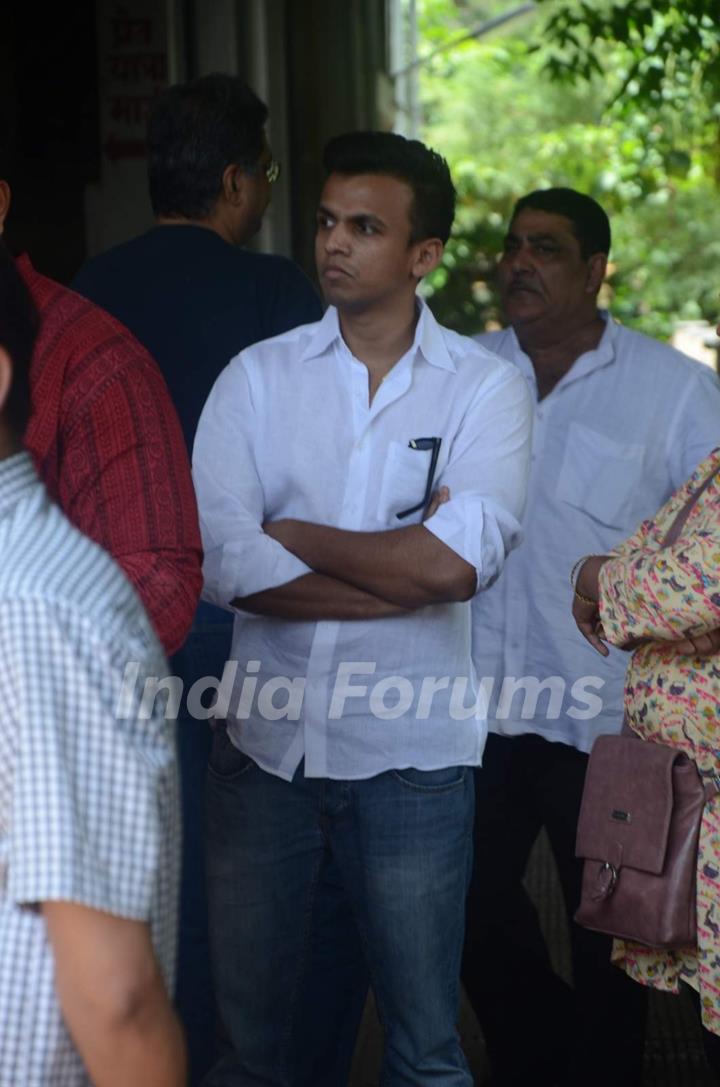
<point>314,462</point>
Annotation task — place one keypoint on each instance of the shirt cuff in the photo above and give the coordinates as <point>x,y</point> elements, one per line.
<point>479,534</point>
<point>232,572</point>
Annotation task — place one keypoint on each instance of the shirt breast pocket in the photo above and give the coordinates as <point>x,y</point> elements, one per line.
<point>602,477</point>
<point>403,484</point>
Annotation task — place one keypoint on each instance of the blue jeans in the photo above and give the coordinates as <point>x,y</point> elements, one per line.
<point>332,1001</point>
<point>401,843</point>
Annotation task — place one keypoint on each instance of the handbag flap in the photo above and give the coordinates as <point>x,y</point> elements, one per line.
<point>627,803</point>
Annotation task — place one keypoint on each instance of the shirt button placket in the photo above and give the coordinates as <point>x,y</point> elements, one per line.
<point>354,499</point>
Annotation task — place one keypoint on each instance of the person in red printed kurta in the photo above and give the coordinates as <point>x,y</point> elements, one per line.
<point>107,443</point>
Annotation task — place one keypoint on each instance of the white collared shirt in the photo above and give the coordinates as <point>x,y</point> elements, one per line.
<point>622,429</point>
<point>288,432</point>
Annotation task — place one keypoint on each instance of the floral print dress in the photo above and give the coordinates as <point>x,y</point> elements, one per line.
<point>651,592</point>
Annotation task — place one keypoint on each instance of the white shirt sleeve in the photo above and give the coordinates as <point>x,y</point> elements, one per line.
<point>695,430</point>
<point>487,476</point>
<point>239,558</point>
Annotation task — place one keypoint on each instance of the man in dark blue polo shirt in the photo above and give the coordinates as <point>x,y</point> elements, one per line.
<point>187,289</point>
<point>195,298</point>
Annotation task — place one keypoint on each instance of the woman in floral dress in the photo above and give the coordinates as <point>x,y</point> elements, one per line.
<point>663,600</point>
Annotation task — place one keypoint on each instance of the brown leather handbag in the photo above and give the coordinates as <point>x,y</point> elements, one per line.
<point>638,834</point>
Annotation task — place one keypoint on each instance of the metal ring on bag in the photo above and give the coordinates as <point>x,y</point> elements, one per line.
<point>606,869</point>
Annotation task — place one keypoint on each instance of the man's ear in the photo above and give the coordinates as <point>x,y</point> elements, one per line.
<point>596,268</point>
<point>4,203</point>
<point>6,374</point>
<point>428,254</point>
<point>233,184</point>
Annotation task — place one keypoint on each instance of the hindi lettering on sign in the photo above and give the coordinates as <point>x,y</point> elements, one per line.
<point>137,67</point>
<point>133,71</point>
<point>129,109</point>
<point>128,31</point>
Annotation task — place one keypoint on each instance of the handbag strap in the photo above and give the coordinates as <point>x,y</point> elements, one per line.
<point>672,534</point>
<point>712,788</point>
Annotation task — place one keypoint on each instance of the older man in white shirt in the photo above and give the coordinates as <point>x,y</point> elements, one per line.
<point>620,422</point>
<point>354,717</point>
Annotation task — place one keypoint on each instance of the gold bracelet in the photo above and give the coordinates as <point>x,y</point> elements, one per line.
<point>581,596</point>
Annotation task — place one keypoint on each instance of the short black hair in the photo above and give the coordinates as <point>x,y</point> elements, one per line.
<point>19,323</point>
<point>424,170</point>
<point>194,131</point>
<point>590,224</point>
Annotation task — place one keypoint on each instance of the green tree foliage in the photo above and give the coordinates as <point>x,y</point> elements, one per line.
<point>668,51</point>
<point>603,98</point>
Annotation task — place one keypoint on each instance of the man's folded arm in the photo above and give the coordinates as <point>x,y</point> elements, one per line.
<point>409,567</point>
<point>266,569</point>
<point>244,567</point>
<point>315,597</point>
<point>461,548</point>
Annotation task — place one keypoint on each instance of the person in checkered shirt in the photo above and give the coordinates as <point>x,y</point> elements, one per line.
<point>89,824</point>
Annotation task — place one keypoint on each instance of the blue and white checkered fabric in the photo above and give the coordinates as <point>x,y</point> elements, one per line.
<point>88,801</point>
